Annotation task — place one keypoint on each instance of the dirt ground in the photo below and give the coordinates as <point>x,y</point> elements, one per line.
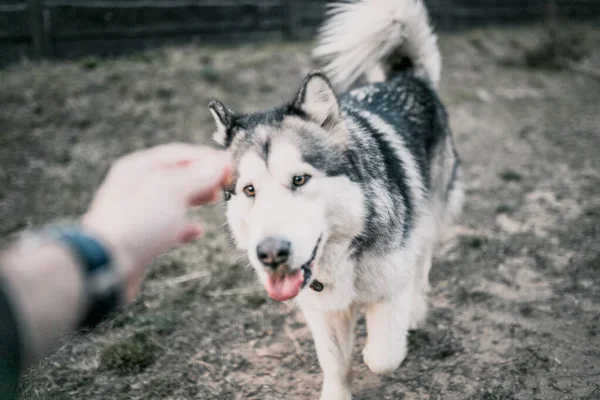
<point>515,304</point>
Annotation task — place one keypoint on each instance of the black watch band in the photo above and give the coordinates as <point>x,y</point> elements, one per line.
<point>102,285</point>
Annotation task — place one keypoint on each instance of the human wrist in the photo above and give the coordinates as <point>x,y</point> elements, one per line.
<point>47,288</point>
<point>125,260</point>
<point>104,287</point>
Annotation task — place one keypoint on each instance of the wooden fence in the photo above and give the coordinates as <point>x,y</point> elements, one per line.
<point>71,28</point>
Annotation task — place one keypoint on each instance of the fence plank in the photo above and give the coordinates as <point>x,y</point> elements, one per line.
<point>14,23</point>
<point>93,21</point>
<point>159,30</point>
<point>53,26</point>
<point>40,32</point>
<point>293,20</point>
<point>118,4</point>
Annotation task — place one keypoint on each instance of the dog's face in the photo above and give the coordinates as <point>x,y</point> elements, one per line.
<point>290,195</point>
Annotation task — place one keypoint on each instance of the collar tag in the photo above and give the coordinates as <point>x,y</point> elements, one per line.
<point>316,286</point>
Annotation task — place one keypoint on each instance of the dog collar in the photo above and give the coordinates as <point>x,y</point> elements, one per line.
<point>316,286</point>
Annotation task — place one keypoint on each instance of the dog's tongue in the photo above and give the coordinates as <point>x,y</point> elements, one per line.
<point>284,287</point>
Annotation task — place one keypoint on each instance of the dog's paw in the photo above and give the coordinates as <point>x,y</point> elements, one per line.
<point>418,314</point>
<point>382,359</point>
<point>335,391</point>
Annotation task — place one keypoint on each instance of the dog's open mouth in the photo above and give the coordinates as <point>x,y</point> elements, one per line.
<point>282,286</point>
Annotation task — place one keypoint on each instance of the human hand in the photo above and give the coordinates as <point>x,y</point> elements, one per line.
<point>140,208</point>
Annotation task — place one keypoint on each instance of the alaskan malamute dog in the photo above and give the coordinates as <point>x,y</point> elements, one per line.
<point>339,199</point>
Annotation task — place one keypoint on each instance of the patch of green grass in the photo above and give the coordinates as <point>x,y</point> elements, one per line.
<point>445,349</point>
<point>476,242</point>
<point>490,395</point>
<point>592,212</point>
<point>209,73</point>
<point>142,94</point>
<point>593,326</point>
<point>75,188</point>
<point>510,175</point>
<point>496,394</point>
<point>418,339</point>
<point>161,324</point>
<point>472,242</point>
<point>526,310</point>
<point>145,57</point>
<point>230,276</point>
<point>434,345</point>
<point>266,88</point>
<point>592,262</point>
<point>464,296</point>
<point>165,92</point>
<point>504,209</point>
<point>255,300</point>
<point>90,63</point>
<point>206,59</point>
<point>161,387</point>
<point>114,76</point>
<point>166,267</point>
<point>63,156</point>
<point>130,355</point>
<point>82,123</point>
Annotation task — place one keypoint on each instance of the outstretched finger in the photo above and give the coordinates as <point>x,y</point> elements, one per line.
<point>204,198</point>
<point>201,181</point>
<point>172,155</point>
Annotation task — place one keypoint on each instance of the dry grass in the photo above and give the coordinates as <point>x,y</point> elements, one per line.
<point>515,300</point>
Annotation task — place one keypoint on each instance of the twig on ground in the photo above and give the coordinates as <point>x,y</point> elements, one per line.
<point>186,278</point>
<point>582,69</point>
<point>290,333</point>
<point>206,365</point>
<point>235,291</point>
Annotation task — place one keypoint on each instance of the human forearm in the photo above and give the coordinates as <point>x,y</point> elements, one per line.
<point>45,286</point>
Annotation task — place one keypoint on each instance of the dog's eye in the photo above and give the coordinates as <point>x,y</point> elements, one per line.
<point>300,180</point>
<point>227,195</point>
<point>249,191</point>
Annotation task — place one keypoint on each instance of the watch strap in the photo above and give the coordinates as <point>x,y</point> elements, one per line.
<point>102,287</point>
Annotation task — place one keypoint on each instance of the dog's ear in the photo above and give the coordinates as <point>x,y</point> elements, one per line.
<point>318,101</point>
<point>225,119</point>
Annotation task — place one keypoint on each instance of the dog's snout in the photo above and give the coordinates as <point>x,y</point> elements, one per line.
<point>273,252</point>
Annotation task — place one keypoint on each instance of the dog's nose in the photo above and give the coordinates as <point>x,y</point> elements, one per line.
<point>273,252</point>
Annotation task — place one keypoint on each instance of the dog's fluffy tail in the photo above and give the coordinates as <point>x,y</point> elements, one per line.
<point>375,38</point>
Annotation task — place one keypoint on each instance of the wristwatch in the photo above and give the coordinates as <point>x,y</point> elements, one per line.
<point>103,288</point>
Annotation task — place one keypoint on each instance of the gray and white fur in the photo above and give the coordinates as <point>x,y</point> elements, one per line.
<point>353,190</point>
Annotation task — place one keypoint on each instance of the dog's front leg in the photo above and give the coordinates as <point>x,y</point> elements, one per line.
<point>387,328</point>
<point>333,333</point>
